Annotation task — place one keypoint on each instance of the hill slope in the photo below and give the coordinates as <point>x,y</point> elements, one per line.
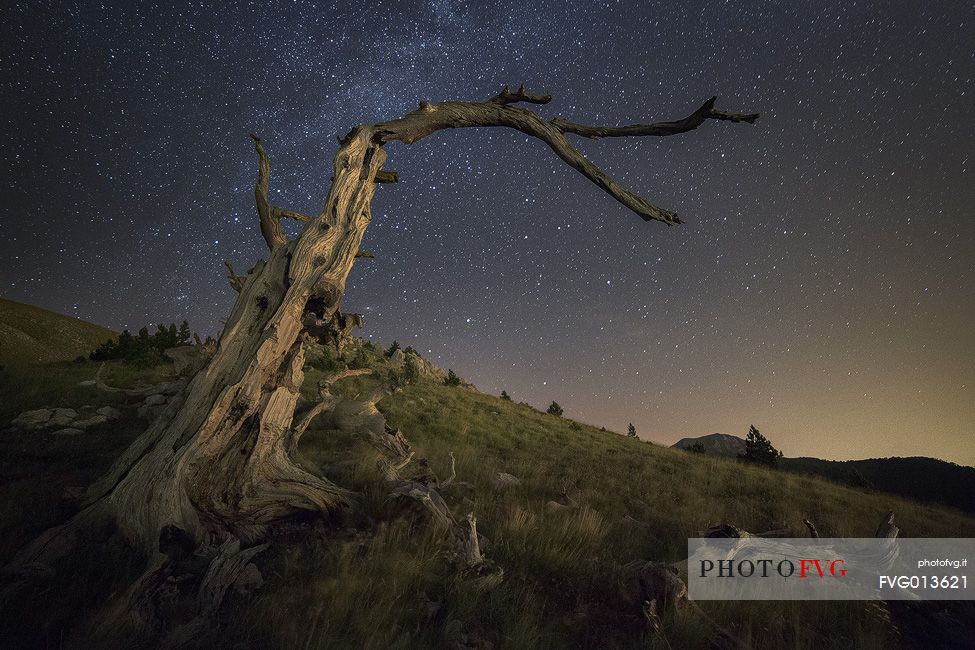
<point>380,580</point>
<point>30,334</point>
<point>918,477</point>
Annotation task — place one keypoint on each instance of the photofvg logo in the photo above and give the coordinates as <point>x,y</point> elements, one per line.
<point>756,568</point>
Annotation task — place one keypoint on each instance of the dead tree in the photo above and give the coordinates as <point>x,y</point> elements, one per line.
<point>217,465</point>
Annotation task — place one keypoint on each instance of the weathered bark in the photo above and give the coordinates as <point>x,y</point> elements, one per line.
<point>217,464</point>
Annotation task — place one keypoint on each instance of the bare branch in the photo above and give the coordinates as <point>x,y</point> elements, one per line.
<point>403,463</point>
<point>383,176</point>
<point>168,388</point>
<point>236,281</point>
<point>327,401</point>
<point>333,377</point>
<point>453,472</point>
<point>498,111</point>
<point>887,529</point>
<point>520,95</point>
<point>366,254</point>
<point>812,529</point>
<point>689,123</point>
<point>291,214</point>
<point>270,223</point>
<point>270,215</point>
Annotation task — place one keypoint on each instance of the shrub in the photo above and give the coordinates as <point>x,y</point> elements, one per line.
<point>631,431</point>
<point>452,378</point>
<point>411,371</point>
<point>360,360</point>
<point>326,362</point>
<point>555,409</point>
<point>505,396</point>
<point>697,448</point>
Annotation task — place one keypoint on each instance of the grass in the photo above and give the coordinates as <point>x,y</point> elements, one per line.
<point>30,335</point>
<point>382,580</point>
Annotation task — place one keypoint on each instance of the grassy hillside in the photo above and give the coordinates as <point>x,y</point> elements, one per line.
<point>917,477</point>
<point>380,580</point>
<point>30,334</point>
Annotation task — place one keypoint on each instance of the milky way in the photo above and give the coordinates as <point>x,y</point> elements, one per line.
<point>821,288</point>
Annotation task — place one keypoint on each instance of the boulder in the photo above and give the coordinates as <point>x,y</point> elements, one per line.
<point>30,420</point>
<point>397,359</point>
<point>173,388</point>
<point>93,421</point>
<point>503,480</point>
<point>109,412</point>
<point>187,359</point>
<point>61,417</point>
<point>155,400</point>
<point>150,412</point>
<point>430,371</point>
<point>69,431</point>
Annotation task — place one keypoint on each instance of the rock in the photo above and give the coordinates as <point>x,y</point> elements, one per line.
<point>150,412</point>
<point>187,359</point>
<point>70,431</point>
<point>109,412</point>
<point>87,382</point>
<point>504,480</point>
<point>397,359</point>
<point>430,371</point>
<point>155,400</point>
<point>175,387</point>
<point>93,421</point>
<point>61,417</point>
<point>30,420</point>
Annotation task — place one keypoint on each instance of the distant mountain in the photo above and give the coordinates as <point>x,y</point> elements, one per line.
<point>917,477</point>
<point>718,444</point>
<point>30,334</point>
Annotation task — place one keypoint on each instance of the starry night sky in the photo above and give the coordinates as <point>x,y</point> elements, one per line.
<point>821,289</point>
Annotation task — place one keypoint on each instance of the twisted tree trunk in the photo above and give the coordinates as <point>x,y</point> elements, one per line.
<point>217,465</point>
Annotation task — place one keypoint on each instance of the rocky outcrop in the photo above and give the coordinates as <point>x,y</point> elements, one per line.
<point>188,359</point>
<point>427,369</point>
<point>64,421</point>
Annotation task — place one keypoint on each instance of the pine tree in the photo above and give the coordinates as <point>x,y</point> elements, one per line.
<point>452,378</point>
<point>505,396</point>
<point>631,431</point>
<point>759,449</point>
<point>184,336</point>
<point>555,409</point>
